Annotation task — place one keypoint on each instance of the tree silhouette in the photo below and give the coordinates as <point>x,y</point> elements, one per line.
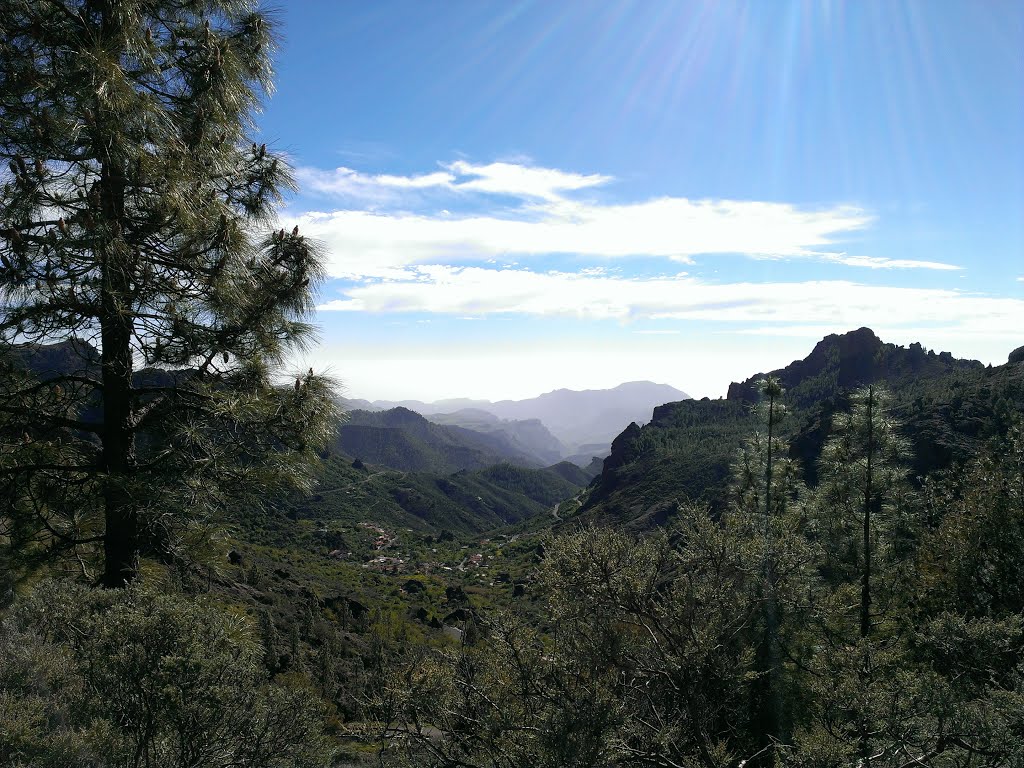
<point>133,216</point>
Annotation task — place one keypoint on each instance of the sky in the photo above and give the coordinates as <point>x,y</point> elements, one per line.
<point>515,197</point>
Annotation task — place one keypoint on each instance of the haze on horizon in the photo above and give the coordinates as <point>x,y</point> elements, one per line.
<point>516,198</point>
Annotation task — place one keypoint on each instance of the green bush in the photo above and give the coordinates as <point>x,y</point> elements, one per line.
<point>140,678</point>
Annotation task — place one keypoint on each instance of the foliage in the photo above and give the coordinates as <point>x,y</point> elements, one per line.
<point>646,658</point>
<point>970,561</point>
<point>852,623</point>
<point>143,678</point>
<point>864,468</point>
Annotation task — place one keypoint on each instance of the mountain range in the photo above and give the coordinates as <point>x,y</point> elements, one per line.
<point>583,423</point>
<point>485,465</point>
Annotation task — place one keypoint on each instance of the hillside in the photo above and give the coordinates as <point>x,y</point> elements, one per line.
<point>574,473</point>
<point>403,440</point>
<point>462,502</point>
<point>948,408</point>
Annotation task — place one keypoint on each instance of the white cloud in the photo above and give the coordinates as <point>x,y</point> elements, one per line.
<point>512,179</point>
<point>837,304</point>
<point>386,226</point>
<point>877,262</point>
<point>349,183</point>
<point>366,244</point>
<point>522,180</point>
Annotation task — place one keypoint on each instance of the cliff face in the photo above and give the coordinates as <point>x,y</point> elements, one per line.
<point>623,447</point>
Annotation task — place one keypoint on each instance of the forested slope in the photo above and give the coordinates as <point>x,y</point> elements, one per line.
<point>467,501</point>
<point>948,408</point>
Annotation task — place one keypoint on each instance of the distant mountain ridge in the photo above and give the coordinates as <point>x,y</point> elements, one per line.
<point>411,472</point>
<point>574,417</point>
<point>529,436</point>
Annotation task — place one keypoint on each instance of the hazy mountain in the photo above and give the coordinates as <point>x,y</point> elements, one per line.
<point>593,415</point>
<point>350,404</point>
<point>471,418</point>
<point>574,417</point>
<point>404,440</point>
<point>587,454</point>
<point>530,436</point>
<point>429,409</point>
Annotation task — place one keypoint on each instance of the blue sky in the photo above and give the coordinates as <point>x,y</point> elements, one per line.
<point>517,197</point>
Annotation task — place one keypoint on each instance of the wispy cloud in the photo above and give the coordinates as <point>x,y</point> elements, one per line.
<point>522,180</point>
<point>876,262</point>
<point>371,188</point>
<point>466,212</point>
<point>461,291</point>
<point>501,178</point>
<point>365,243</point>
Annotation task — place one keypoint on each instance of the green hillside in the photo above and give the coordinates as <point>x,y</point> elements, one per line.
<point>467,501</point>
<point>574,473</point>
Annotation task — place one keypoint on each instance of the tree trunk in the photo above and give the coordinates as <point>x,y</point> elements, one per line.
<point>768,461</point>
<point>772,714</point>
<point>865,587</point>
<point>121,539</point>
<point>863,742</point>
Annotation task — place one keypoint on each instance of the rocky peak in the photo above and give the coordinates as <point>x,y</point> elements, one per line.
<point>845,361</point>
<point>622,450</point>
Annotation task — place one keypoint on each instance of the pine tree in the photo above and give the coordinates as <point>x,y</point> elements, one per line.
<point>132,210</point>
<point>863,467</point>
<point>765,490</point>
<point>861,491</point>
<point>765,481</point>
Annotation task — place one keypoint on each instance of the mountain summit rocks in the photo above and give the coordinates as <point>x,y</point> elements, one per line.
<point>850,360</point>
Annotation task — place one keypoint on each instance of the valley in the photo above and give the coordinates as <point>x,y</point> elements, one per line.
<point>421,531</point>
